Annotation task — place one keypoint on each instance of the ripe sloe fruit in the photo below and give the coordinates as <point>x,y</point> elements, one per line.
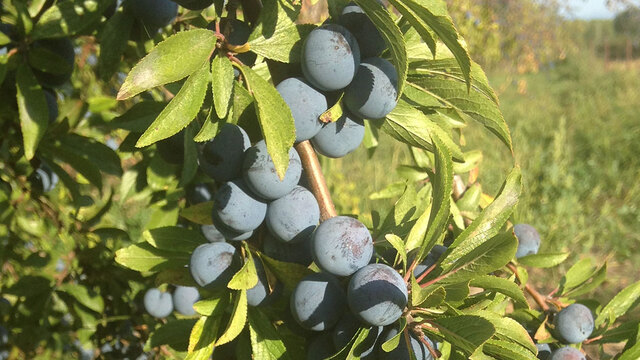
<point>213,265</point>
<point>568,353</point>
<point>222,157</point>
<point>377,294</point>
<point>544,351</point>
<point>330,57</point>
<point>194,4</point>
<point>317,302</point>
<point>373,92</point>
<point>575,323</point>
<point>293,217</point>
<point>260,172</point>
<point>237,208</point>
<point>52,104</point>
<point>320,347</point>
<point>306,104</point>
<point>528,240</point>
<point>259,294</point>
<point>432,258</point>
<point>183,299</point>
<point>342,245</point>
<point>299,253</point>
<point>154,14</point>
<point>227,233</point>
<point>419,349</point>
<point>63,47</point>
<point>358,23</point>
<point>212,234</point>
<point>339,138</point>
<point>237,33</point>
<point>157,303</point>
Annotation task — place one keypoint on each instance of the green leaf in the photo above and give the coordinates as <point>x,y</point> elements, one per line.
<point>69,18</point>
<point>334,113</point>
<point>434,295</point>
<point>543,260</point>
<point>489,222</point>
<point>266,342</point>
<point>199,213</point>
<point>449,68</point>
<point>246,277</point>
<point>393,343</point>
<point>501,285</point>
<point>144,257</point>
<point>238,319</point>
<point>632,353</point>
<point>174,238</point>
<point>488,256</point>
<point>407,124</point>
<point>174,333</point>
<point>33,110</point>
<point>578,274</point>
<point>591,284</point>
<point>100,154</point>
<point>210,127</point>
<point>190,164</point>
<point>434,13</point>
<point>620,304</point>
<point>214,306</point>
<point>182,109</point>
<point>465,332</point>
<point>78,161</point>
<point>509,330</point>
<point>113,42</point>
<point>90,299</point>
<point>453,94</point>
<point>221,84</point>
<point>203,337</point>
<point>289,274</point>
<point>392,36</point>
<point>442,187</point>
<point>45,60</point>
<point>69,183</point>
<point>275,119</point>
<point>276,36</point>
<point>501,349</point>
<point>181,55</point>
<point>139,117</point>
<point>398,245</point>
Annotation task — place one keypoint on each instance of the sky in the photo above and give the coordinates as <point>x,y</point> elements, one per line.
<point>590,9</point>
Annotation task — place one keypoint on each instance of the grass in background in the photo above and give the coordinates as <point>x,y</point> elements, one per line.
<point>576,133</point>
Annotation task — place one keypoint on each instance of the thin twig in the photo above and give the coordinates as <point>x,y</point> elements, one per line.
<point>318,185</point>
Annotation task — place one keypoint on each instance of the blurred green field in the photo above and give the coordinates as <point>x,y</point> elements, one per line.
<point>576,134</point>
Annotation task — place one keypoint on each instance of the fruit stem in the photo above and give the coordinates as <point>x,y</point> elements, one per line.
<point>318,185</point>
<point>537,297</point>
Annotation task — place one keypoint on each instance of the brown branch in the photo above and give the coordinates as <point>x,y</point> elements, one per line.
<point>537,297</point>
<point>318,185</point>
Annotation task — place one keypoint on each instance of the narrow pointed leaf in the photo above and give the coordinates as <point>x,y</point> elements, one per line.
<point>171,60</point>
<point>238,319</point>
<point>465,332</point>
<point>620,304</point>
<point>174,238</point>
<point>392,36</point>
<point>33,110</point>
<point>489,222</point>
<point>275,119</point>
<point>182,109</point>
<point>221,84</point>
<point>409,125</point>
